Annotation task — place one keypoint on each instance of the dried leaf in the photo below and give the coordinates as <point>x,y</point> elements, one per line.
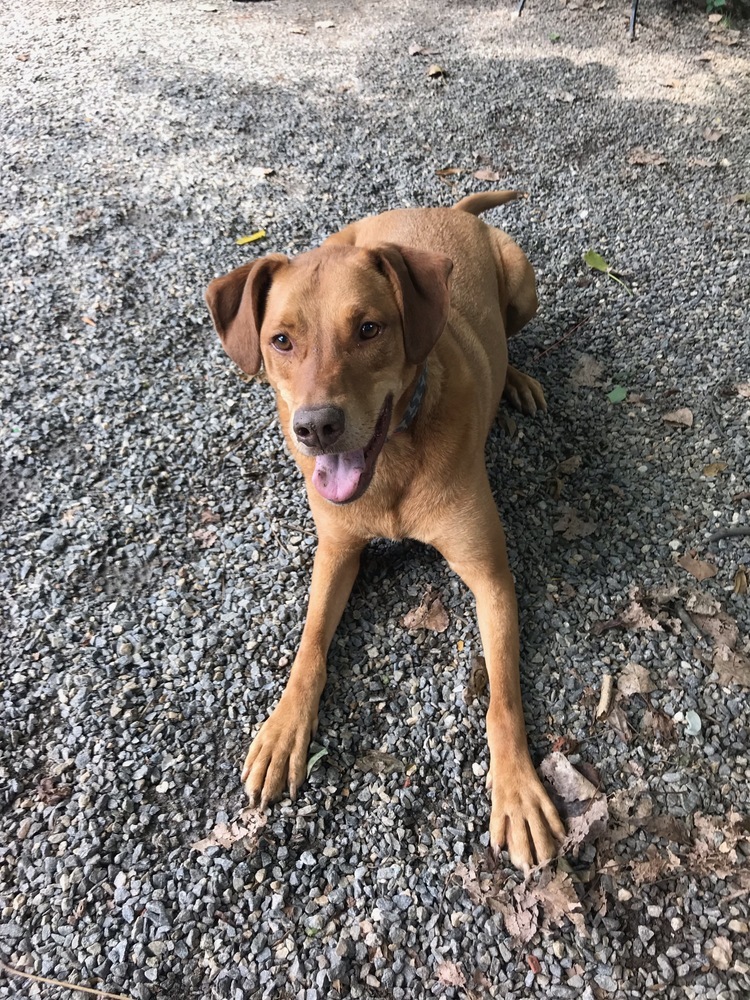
<point>450,171</point>
<point>379,762</point>
<point>478,680</point>
<point>435,71</point>
<point>655,867</point>
<point>430,614</point>
<point>618,721</point>
<point>699,568</point>
<point>721,953</point>
<point>50,793</point>
<point>713,469</point>
<point>715,18</point>
<point>587,372</point>
<point>740,581</point>
<point>606,697</point>
<point>572,526</point>
<point>487,175</point>
<point>569,465</point>
<point>636,617</point>
<point>659,724</point>
<point>257,235</point>
<point>325,24</point>
<point>682,417</point>
<point>743,198</point>
<point>450,974</point>
<point>732,666</point>
<point>743,389</point>
<point>298,30</point>
<point>244,830</point>
<point>261,171</point>
<point>581,805</point>
<point>534,964</point>
<point>712,135</point>
<point>417,50</point>
<point>634,679</point>
<point>643,157</point>
<point>206,537</point>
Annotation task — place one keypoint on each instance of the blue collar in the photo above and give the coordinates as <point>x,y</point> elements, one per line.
<point>415,402</point>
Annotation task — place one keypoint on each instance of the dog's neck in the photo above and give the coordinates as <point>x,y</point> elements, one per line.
<point>414,403</point>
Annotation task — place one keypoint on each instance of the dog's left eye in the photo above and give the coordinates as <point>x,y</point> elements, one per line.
<point>368,330</point>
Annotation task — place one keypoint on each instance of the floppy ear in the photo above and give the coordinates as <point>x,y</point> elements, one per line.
<point>236,302</point>
<point>420,284</point>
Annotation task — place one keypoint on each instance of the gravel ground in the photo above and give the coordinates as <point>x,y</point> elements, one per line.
<point>157,545</point>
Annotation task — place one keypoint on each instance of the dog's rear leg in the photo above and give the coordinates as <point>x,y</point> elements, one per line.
<point>277,757</point>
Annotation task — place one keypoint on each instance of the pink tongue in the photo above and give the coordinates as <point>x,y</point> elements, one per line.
<point>336,477</point>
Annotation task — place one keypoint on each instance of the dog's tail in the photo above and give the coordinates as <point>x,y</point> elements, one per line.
<point>483,200</point>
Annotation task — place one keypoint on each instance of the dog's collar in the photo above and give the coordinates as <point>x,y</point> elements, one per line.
<point>414,403</point>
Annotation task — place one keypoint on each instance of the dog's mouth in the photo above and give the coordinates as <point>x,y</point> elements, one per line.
<point>345,475</point>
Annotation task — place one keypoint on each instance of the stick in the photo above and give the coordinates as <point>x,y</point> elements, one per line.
<point>736,531</point>
<point>57,982</point>
<point>565,336</point>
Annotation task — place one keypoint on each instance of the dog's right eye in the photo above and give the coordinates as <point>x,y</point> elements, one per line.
<point>281,342</point>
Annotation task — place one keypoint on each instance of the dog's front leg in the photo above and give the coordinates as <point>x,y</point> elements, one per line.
<point>523,817</point>
<point>278,755</point>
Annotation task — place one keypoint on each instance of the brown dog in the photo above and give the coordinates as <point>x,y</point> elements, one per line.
<point>387,377</point>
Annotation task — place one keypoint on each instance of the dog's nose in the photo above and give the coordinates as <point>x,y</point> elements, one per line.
<point>318,426</point>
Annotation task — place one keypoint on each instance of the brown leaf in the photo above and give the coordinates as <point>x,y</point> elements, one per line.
<point>655,867</point>
<point>659,724</point>
<point>618,720</point>
<point>379,762</point>
<point>478,680</point>
<point>450,974</point>
<point>682,417</point>
<point>572,526</point>
<point>634,679</point>
<point>712,134</point>
<point>260,171</point>
<point>417,50</point>
<point>713,469</point>
<point>636,617</point>
<point>435,71</point>
<point>430,614</point>
<point>450,171</point>
<point>740,581</point>
<point>245,830</point>
<point>487,175</point>
<point>717,625</point>
<point>606,696</point>
<point>587,372</point>
<point>643,157</point>
<point>206,537</point>
<point>699,568</point>
<point>50,793</point>
<point>569,465</point>
<point>743,389</point>
<point>732,666</point>
<point>743,198</point>
<point>581,805</point>
<point>209,516</point>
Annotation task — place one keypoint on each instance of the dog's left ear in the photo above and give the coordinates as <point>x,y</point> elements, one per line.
<point>420,283</point>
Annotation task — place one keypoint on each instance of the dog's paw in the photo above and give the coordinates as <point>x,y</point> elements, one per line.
<point>523,819</point>
<point>523,392</point>
<point>277,758</point>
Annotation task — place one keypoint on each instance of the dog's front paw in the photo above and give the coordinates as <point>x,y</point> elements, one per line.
<point>277,757</point>
<point>523,818</point>
<point>523,392</point>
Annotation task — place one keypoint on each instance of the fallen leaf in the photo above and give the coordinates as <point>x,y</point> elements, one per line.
<point>587,372</point>
<point>715,18</point>
<point>23,57</point>
<point>260,171</point>
<point>325,24</point>
<point>435,71</point>
<point>569,465</point>
<point>207,8</point>
<point>606,696</point>
<point>743,389</point>
<point>643,157</point>
<point>598,263</point>
<point>298,30</point>
<point>314,760</point>
<point>682,417</point>
<point>659,724</point>
<point>88,321</point>
<point>581,805</point>
<point>379,762</point>
<point>450,171</point>
<point>618,394</point>
<point>713,469</point>
<point>618,720</point>
<point>634,679</point>
<point>257,235</point>
<point>450,974</point>
<point>699,568</point>
<point>50,793</point>
<point>572,526</point>
<point>712,135</point>
<point>417,50</point>
<point>740,581</point>
<point>656,866</point>
<point>704,57</point>
<point>732,666</point>
<point>534,964</point>
<point>742,198</point>
<point>478,680</point>
<point>430,614</point>
<point>244,830</point>
<point>487,175</point>
<point>721,953</point>
<point>671,83</point>
<point>206,537</point>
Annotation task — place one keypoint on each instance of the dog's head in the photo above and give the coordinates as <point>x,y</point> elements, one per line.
<point>341,332</point>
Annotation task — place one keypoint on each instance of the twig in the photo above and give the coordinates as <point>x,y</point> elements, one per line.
<point>736,531</point>
<point>58,982</point>
<point>565,336</point>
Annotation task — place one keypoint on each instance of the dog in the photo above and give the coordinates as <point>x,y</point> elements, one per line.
<point>386,348</point>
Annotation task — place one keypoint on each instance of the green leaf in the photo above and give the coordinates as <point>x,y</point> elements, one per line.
<point>617,394</point>
<point>595,260</point>
<point>314,760</point>
<point>242,240</point>
<point>554,37</point>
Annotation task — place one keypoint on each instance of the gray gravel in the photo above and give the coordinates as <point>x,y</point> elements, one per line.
<point>157,546</point>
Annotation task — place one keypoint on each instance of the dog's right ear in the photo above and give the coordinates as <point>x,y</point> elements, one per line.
<point>236,302</point>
